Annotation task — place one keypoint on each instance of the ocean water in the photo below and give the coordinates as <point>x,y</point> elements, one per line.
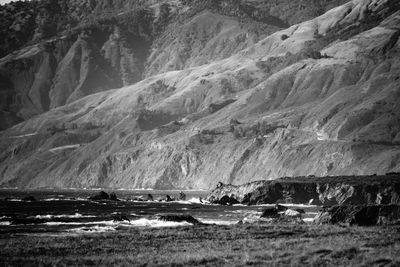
<point>71,211</point>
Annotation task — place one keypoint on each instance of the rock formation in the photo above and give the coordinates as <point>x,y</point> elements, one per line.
<point>177,218</point>
<point>371,190</point>
<point>359,215</point>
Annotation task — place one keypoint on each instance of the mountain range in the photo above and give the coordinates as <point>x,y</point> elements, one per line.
<point>183,94</point>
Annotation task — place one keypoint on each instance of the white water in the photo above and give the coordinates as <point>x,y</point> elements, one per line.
<point>73,216</point>
<point>81,223</point>
<point>94,229</point>
<point>143,222</point>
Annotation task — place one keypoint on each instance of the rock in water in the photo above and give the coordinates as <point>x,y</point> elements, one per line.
<point>292,213</point>
<point>177,218</point>
<point>150,197</point>
<point>280,207</point>
<point>113,197</point>
<point>182,196</point>
<point>270,213</point>
<point>120,218</point>
<point>100,196</point>
<point>278,214</point>
<point>168,198</point>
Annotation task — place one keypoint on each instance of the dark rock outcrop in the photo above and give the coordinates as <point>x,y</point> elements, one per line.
<point>182,196</point>
<point>120,218</point>
<point>100,196</point>
<point>361,215</point>
<point>168,198</point>
<point>226,200</point>
<point>177,218</point>
<point>113,196</point>
<point>149,197</point>
<point>270,213</point>
<point>341,190</point>
<point>104,196</point>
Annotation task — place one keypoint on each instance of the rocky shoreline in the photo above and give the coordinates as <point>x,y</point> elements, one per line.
<point>340,190</point>
<point>352,200</point>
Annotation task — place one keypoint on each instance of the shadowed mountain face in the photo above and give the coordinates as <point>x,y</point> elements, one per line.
<point>231,91</point>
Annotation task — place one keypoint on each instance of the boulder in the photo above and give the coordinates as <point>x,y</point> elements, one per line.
<point>150,197</point>
<point>177,218</point>
<point>281,207</point>
<point>182,196</point>
<point>270,213</point>
<point>120,218</point>
<point>292,213</point>
<point>361,215</point>
<point>168,198</point>
<point>113,197</point>
<point>104,196</point>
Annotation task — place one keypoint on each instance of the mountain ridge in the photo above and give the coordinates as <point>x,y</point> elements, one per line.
<point>298,102</point>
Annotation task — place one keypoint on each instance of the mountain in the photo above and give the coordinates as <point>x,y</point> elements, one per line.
<point>184,94</point>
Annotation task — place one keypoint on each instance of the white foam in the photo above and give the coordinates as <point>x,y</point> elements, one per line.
<point>54,199</point>
<point>143,222</point>
<point>309,220</point>
<point>289,205</point>
<point>73,216</point>
<point>94,229</point>
<point>81,223</point>
<point>193,200</point>
<point>196,200</point>
<point>218,222</point>
<point>5,223</point>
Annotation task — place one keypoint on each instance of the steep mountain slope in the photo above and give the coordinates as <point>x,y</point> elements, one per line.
<point>67,43</point>
<point>318,98</point>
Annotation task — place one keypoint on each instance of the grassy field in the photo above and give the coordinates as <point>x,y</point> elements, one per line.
<point>268,245</point>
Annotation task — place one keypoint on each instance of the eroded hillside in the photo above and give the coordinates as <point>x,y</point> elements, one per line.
<point>71,49</point>
<point>316,98</point>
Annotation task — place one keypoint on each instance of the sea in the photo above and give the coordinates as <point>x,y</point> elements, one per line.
<point>61,212</point>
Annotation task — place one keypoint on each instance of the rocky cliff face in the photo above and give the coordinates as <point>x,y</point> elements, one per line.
<point>241,102</point>
<point>348,190</point>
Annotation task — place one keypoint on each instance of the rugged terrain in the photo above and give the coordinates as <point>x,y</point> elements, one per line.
<point>342,190</point>
<point>230,91</point>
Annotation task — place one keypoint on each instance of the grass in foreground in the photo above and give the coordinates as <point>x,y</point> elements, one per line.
<point>270,245</point>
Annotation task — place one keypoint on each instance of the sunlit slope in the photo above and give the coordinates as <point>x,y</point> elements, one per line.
<point>318,98</point>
